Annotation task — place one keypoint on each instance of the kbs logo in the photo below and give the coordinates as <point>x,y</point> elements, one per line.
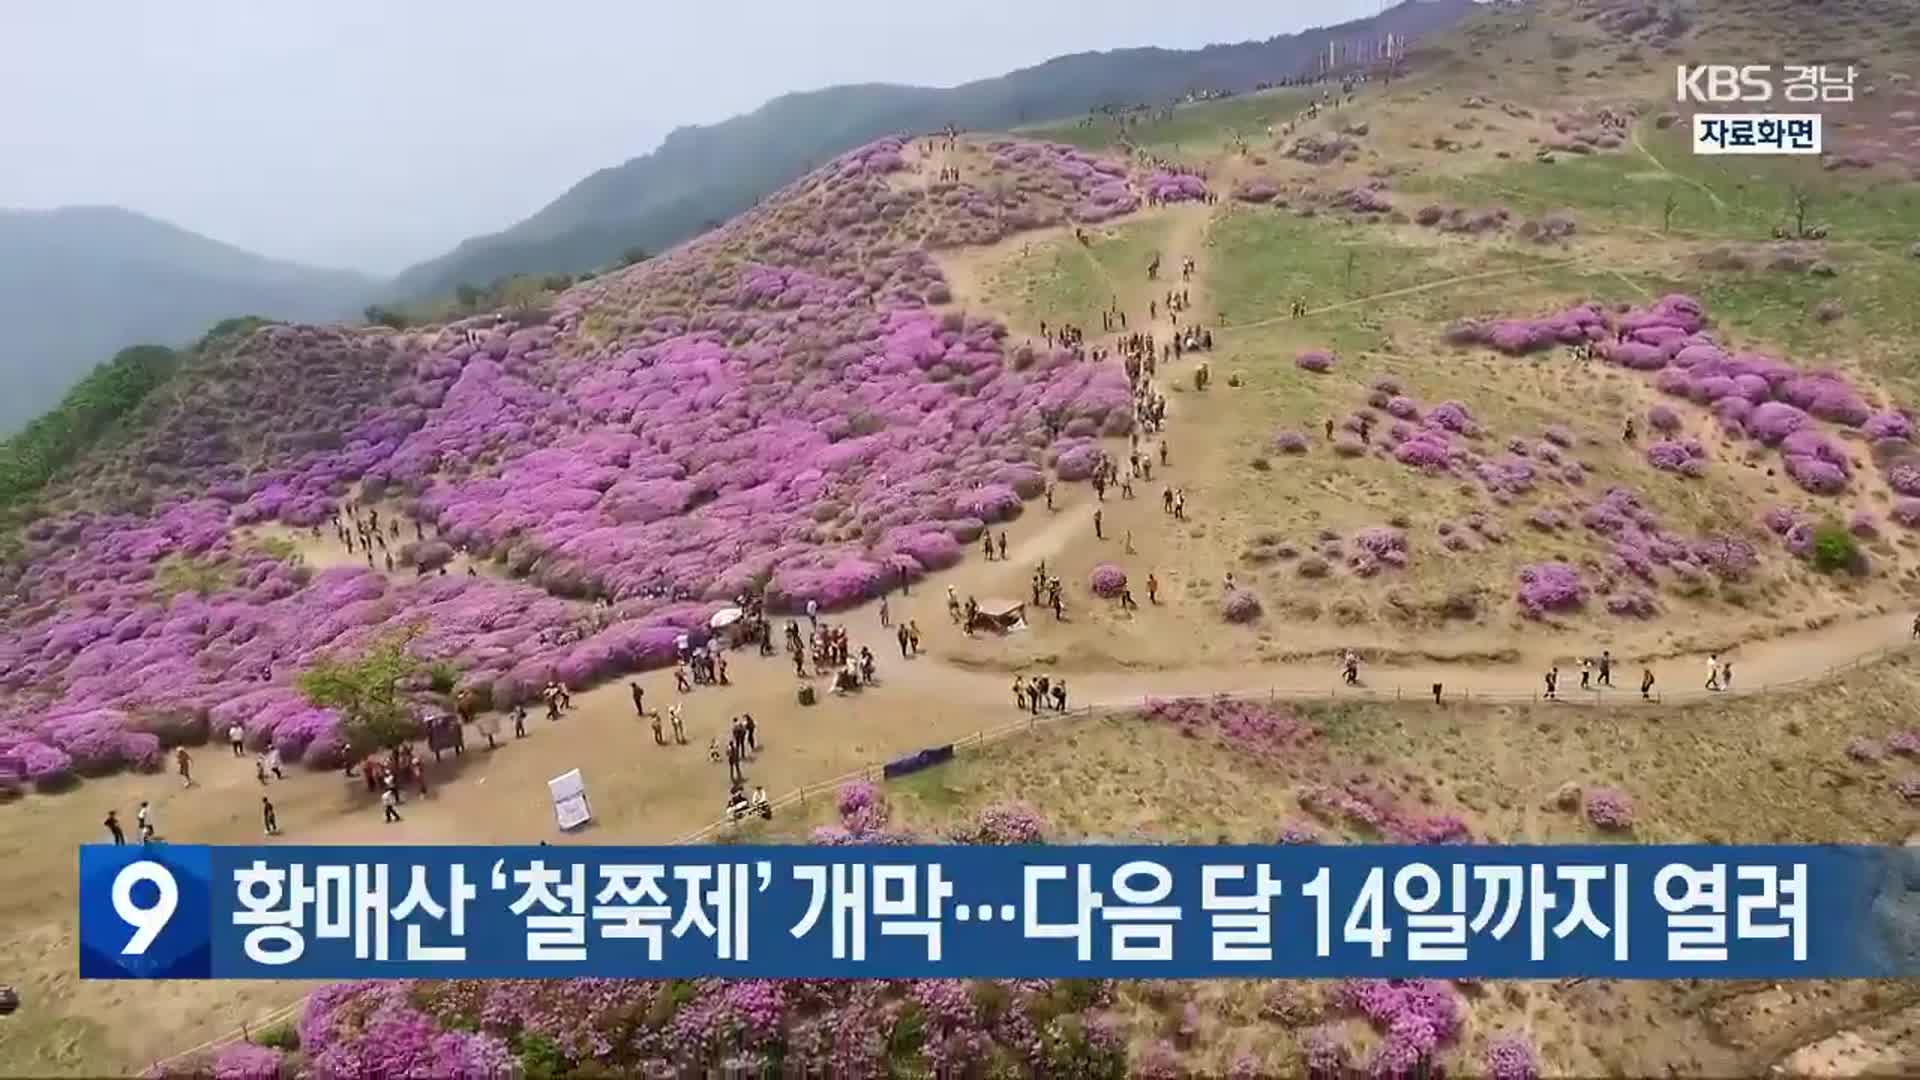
<point>1729,84</point>
<point>1720,84</point>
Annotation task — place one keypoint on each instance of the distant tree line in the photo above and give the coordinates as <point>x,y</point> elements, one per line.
<point>112,390</point>
<point>511,294</point>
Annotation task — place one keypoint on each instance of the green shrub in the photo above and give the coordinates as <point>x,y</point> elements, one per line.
<point>109,392</point>
<point>1834,548</point>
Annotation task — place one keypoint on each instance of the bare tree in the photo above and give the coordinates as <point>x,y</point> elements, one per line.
<point>1800,197</point>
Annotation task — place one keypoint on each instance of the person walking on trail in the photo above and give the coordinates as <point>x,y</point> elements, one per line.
<point>113,827</point>
<point>902,635</point>
<point>1020,692</point>
<point>1606,668</point>
<point>1713,673</point>
<point>520,721</point>
<point>659,738</point>
<point>1916,626</point>
<point>268,818</point>
<point>813,612</point>
<point>679,721</point>
<point>1350,668</point>
<point>236,738</point>
<point>390,805</point>
<point>886,616</point>
<point>1003,545</point>
<point>1726,675</point>
<point>1437,689</point>
<point>1097,534</point>
<point>1586,673</point>
<point>747,725</point>
<point>639,699</point>
<point>273,763</point>
<point>733,764</point>
<point>1553,682</point>
<point>1646,684</point>
<point>185,764</point>
<point>143,818</point>
<point>1153,588</point>
<point>953,604</point>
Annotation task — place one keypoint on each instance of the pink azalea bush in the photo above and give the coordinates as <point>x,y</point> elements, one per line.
<point>1169,187</point>
<point>1416,1018</point>
<point>1510,1056</point>
<point>1318,361</point>
<point>1107,580</point>
<point>776,406</point>
<point>1609,808</point>
<point>1290,442</point>
<point>1550,588</point>
<point>1002,824</point>
<point>1258,729</point>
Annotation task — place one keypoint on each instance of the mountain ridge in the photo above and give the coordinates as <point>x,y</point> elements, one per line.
<point>702,174</point>
<point>80,283</point>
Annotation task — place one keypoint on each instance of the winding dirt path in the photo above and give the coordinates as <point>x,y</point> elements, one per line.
<point>1759,667</point>
<point>1634,135</point>
<point>650,794</point>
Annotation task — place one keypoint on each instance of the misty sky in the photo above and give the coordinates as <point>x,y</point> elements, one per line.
<point>374,133</point>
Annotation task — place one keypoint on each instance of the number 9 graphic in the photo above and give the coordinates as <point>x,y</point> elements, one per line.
<point>147,922</point>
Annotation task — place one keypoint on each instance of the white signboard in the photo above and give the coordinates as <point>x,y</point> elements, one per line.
<point>1757,133</point>
<point>570,806</point>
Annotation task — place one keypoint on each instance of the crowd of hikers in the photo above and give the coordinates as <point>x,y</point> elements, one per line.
<point>823,649</point>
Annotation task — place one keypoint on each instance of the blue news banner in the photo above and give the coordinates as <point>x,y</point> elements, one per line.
<point>167,912</point>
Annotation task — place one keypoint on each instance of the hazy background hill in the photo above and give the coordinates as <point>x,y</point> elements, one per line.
<point>707,174</point>
<point>80,283</point>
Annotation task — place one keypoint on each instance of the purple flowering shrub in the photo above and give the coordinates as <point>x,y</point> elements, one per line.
<point>1550,588</point>
<point>1001,824</point>
<point>1240,606</point>
<point>772,405</point>
<point>1510,1056</point>
<point>1169,187</point>
<point>1107,580</point>
<point>1609,808</point>
<point>1318,361</point>
<point>1416,1019</point>
<point>1383,543</point>
<point>1676,458</point>
<point>1369,807</point>
<point>1290,442</point>
<point>236,1061</point>
<point>1258,189</point>
<point>1260,729</point>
